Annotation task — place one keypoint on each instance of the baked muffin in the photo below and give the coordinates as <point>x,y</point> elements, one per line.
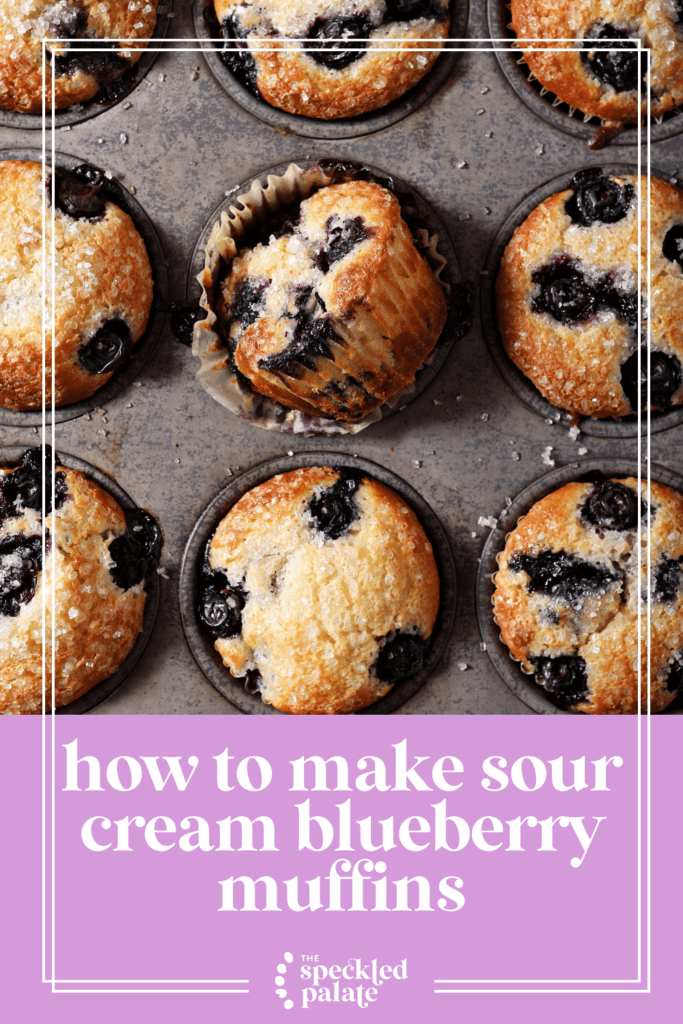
<point>605,82</point>
<point>567,296</point>
<point>338,310</point>
<point>330,58</point>
<point>321,591</point>
<point>74,25</point>
<point>569,589</point>
<point>103,285</point>
<point>98,559</point>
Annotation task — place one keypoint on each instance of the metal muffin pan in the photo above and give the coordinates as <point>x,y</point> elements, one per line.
<point>207,31</point>
<point>143,348</point>
<point>546,105</point>
<point>534,695</point>
<point>451,273</point>
<point>518,381</point>
<point>472,151</point>
<point>80,112</point>
<point>103,690</point>
<point>200,641</point>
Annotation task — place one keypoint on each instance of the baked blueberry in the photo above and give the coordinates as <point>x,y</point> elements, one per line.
<point>674,679</point>
<point>136,553</point>
<point>107,348</point>
<point>570,297</point>
<point>335,508</point>
<point>617,67</point>
<point>667,579</point>
<point>20,562</point>
<point>673,245</point>
<point>341,238</point>
<point>563,577</point>
<point>563,676</point>
<point>598,199</point>
<point>23,489</point>
<point>77,196</point>
<point>328,38</point>
<point>400,657</point>
<point>612,506</point>
<point>665,378</point>
<point>183,319</point>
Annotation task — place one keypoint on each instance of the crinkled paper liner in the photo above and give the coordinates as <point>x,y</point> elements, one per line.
<point>254,208</point>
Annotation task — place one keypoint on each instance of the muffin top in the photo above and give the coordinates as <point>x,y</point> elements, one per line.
<point>321,591</point>
<point>339,63</point>
<point>103,284</point>
<point>568,299</point>
<point>604,82</point>
<point>76,26</point>
<point>569,590</point>
<point>98,559</point>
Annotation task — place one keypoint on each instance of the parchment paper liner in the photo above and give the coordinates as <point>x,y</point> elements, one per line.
<point>252,209</point>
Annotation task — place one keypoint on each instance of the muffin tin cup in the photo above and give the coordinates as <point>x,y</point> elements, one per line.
<point>522,685</point>
<point>547,106</point>
<point>207,31</point>
<point>145,346</point>
<point>101,691</point>
<point>519,382</point>
<point>80,112</point>
<point>201,643</point>
<point>270,414</point>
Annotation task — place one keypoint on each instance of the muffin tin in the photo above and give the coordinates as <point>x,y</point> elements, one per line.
<point>142,350</point>
<point>472,152</point>
<point>201,643</point>
<point>100,692</point>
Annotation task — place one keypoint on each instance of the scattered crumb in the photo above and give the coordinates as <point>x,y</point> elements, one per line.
<point>482,646</point>
<point>459,398</point>
<point>545,456</point>
<point>573,433</point>
<point>484,90</point>
<point>430,452</point>
<point>228,472</point>
<point>473,533</point>
<point>516,456</point>
<point>416,463</point>
<point>123,138</point>
<point>105,432</point>
<point>489,521</point>
<point>551,423</point>
<point>435,401</point>
<point>463,666</point>
<point>461,164</point>
<point>465,216</point>
<point>67,128</point>
<point>486,210</point>
<point>194,76</point>
<point>127,105</point>
<point>484,416</point>
<point>582,451</point>
<point>540,150</point>
<point>480,111</point>
<point>161,571</point>
<point>290,454</point>
<point>488,135</point>
<point>162,77</point>
<point>131,189</point>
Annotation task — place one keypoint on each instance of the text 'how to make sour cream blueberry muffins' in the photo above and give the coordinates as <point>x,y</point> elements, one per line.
<point>102,277</point>
<point>320,591</point>
<point>336,310</point>
<point>570,585</point>
<point>92,44</point>
<point>600,70</point>
<point>98,561</point>
<point>568,296</point>
<point>331,58</point>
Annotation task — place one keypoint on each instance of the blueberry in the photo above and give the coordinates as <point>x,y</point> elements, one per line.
<point>328,37</point>
<point>598,199</point>
<point>20,562</point>
<point>672,248</point>
<point>252,681</point>
<point>235,53</point>
<point>334,509</point>
<point>246,305</point>
<point>340,240</point>
<point>137,552</point>
<point>665,378</point>
<point>107,348</point>
<point>674,680</point>
<point>617,67</point>
<point>400,657</point>
<point>569,297</point>
<point>563,577</point>
<point>612,506</point>
<point>219,607</point>
<point>77,196</point>
<point>409,10</point>
<point>23,489</point>
<point>667,580</point>
<point>564,676</point>
<point>100,58</point>
<point>183,319</point>
<point>69,24</point>
<point>311,338</point>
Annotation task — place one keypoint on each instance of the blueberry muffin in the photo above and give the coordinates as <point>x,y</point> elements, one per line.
<point>103,285</point>
<point>568,300</point>
<point>321,591</point>
<point>339,63</point>
<point>569,590</point>
<point>98,559</point>
<point>603,82</point>
<point>336,312</point>
<point>75,26</point>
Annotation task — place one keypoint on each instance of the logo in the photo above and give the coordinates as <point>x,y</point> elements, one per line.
<point>313,983</point>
